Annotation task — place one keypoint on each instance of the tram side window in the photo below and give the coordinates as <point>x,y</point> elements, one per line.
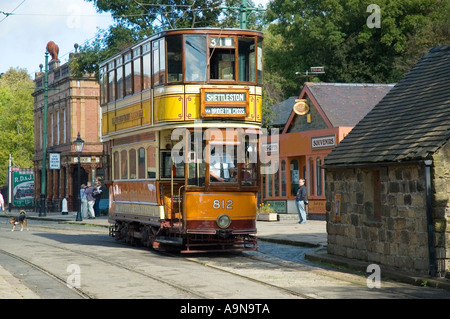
<point>174,59</point>
<point>159,65</point>
<point>119,82</point>
<point>259,62</point>
<point>124,165</point>
<point>246,49</point>
<point>111,86</point>
<point>249,173</point>
<point>137,84</point>
<point>196,163</point>
<point>141,163</point>
<point>116,165</point>
<point>103,86</point>
<point>146,71</point>
<point>128,74</point>
<point>195,47</point>
<point>151,162</point>
<point>133,174</point>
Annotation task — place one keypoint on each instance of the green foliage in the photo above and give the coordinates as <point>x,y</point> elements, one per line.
<point>334,33</point>
<point>16,120</point>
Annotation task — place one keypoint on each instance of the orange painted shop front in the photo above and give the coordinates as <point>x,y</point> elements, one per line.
<point>311,125</point>
<point>301,155</point>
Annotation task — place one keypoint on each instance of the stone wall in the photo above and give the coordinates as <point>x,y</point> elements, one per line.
<point>440,200</point>
<point>381,217</point>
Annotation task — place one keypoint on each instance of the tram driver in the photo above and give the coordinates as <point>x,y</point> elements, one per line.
<point>222,168</point>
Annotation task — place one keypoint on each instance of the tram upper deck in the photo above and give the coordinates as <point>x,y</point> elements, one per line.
<point>181,76</point>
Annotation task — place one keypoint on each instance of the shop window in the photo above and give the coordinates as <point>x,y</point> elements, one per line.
<point>141,163</point>
<point>319,177</point>
<point>311,183</point>
<point>133,172</point>
<point>174,59</point>
<point>294,177</point>
<point>269,185</point>
<point>283,178</point>
<point>276,181</point>
<point>124,164</point>
<point>195,47</point>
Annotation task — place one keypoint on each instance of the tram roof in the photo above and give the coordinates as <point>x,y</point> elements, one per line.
<point>228,31</point>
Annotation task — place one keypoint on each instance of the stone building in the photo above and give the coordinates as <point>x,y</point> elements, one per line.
<point>388,181</point>
<point>73,107</point>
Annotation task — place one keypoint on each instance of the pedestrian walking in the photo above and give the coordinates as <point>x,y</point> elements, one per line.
<point>83,201</point>
<point>301,201</point>
<point>90,200</point>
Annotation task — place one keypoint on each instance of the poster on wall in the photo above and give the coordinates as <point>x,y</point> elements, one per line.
<point>23,187</point>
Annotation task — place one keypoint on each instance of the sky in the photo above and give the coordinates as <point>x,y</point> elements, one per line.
<point>33,23</point>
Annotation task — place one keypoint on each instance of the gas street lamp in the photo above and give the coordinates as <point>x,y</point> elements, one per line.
<point>78,144</point>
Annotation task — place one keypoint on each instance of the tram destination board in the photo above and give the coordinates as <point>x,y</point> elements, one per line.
<point>217,102</point>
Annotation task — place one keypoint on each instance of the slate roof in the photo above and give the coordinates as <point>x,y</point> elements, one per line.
<point>345,104</point>
<point>282,111</point>
<point>409,123</point>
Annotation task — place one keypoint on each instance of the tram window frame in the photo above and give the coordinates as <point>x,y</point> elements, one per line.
<point>137,70</point>
<point>103,81</point>
<point>164,170</point>
<point>195,57</point>
<point>259,61</point>
<point>174,46</point>
<point>223,148</point>
<point>146,66</point>
<point>158,62</point>
<point>132,159</point>
<point>111,82</point>
<point>119,79</point>
<point>217,52</point>
<point>247,59</point>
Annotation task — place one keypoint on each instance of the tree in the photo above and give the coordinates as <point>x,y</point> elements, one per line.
<point>16,120</point>
<point>337,35</point>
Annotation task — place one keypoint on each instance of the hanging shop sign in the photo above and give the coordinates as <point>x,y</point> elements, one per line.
<point>301,107</point>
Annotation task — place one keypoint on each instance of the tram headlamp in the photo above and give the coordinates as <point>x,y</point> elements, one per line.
<point>223,221</point>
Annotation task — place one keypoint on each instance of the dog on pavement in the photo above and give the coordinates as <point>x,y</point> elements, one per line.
<point>22,219</point>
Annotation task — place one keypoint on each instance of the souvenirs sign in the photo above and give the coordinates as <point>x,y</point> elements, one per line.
<point>224,103</point>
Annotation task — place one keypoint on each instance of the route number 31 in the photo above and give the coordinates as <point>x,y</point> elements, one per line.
<point>224,204</point>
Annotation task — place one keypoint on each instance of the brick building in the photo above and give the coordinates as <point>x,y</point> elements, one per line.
<point>73,107</point>
<point>388,181</point>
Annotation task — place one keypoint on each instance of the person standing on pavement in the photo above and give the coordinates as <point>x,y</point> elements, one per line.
<point>90,200</point>
<point>301,201</point>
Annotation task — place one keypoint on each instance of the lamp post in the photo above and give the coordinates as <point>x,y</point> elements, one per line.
<point>79,143</point>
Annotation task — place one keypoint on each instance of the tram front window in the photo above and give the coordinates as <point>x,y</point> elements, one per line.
<point>223,164</point>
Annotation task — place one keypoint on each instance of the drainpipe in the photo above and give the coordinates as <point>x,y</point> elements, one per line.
<point>430,226</point>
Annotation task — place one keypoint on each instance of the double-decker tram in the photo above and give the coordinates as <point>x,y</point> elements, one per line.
<point>181,123</point>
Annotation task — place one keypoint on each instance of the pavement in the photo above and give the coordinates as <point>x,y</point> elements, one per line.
<point>313,234</point>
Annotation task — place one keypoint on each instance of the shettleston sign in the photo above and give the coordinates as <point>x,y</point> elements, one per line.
<point>224,103</point>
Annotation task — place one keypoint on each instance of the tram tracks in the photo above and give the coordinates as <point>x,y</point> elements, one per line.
<point>240,265</point>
